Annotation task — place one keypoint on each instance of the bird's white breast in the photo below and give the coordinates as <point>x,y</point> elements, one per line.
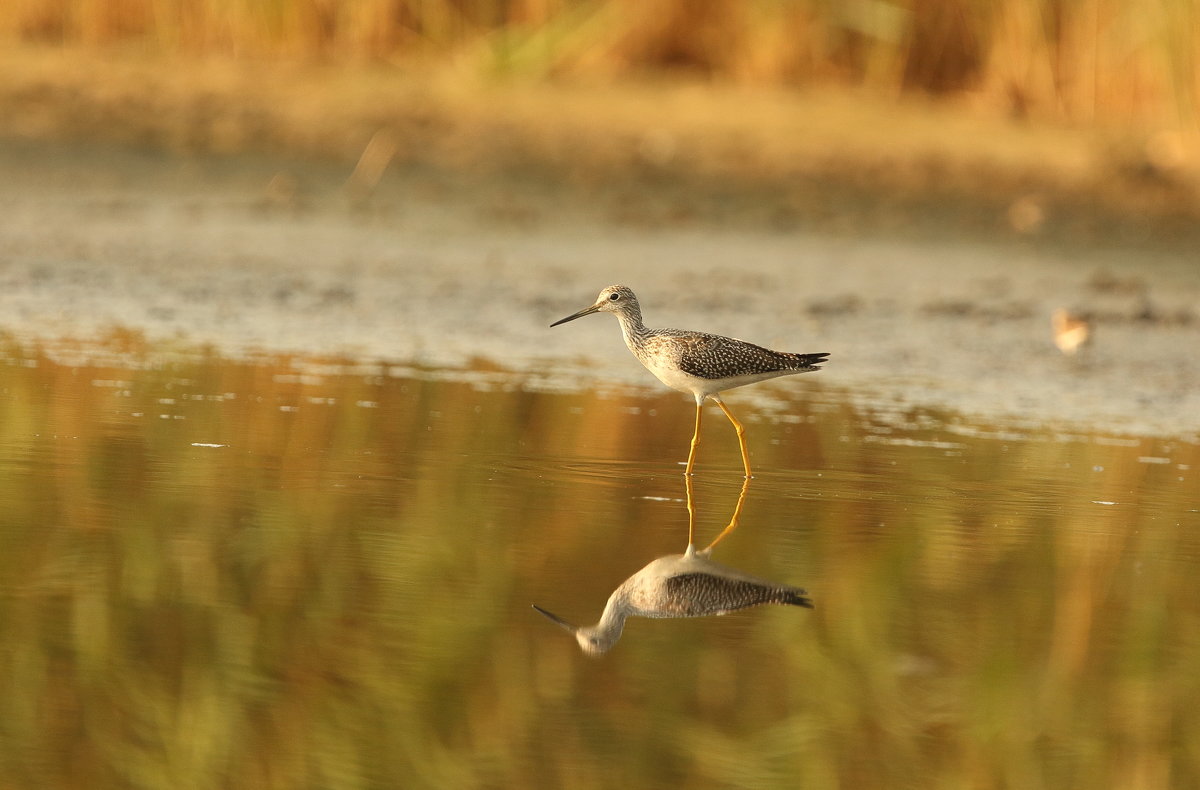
<point>676,379</point>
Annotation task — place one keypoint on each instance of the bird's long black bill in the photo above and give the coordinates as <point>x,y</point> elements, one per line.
<point>561,623</point>
<point>580,314</point>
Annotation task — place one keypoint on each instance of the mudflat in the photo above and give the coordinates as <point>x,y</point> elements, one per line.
<point>442,269</point>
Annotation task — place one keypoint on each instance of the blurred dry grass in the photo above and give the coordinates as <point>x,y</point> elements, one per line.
<point>1038,111</point>
<point>1092,60</point>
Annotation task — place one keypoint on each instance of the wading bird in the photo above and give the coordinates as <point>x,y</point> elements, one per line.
<point>698,363</point>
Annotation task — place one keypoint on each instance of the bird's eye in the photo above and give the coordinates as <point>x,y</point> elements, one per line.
<point>613,297</point>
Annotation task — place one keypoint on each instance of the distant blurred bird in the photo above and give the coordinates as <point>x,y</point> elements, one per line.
<point>678,585</point>
<point>1070,331</point>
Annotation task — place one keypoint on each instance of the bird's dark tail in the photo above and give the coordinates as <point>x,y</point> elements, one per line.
<point>808,361</point>
<point>793,597</point>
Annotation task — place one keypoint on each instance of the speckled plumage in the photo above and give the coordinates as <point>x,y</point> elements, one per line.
<point>720,359</point>
<point>697,363</point>
<point>679,585</point>
<point>703,594</point>
<point>720,362</point>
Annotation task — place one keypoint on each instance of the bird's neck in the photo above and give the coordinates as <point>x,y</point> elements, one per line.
<point>632,328</point>
<point>612,621</point>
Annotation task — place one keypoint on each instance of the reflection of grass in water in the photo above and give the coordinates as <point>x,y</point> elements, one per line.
<point>339,597</point>
<point>1087,60</point>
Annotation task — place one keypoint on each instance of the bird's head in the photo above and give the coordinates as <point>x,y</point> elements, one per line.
<point>613,299</point>
<point>592,640</point>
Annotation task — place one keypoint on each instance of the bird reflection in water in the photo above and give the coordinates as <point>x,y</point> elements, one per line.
<point>681,585</point>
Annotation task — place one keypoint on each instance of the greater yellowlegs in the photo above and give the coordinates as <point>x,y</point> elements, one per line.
<point>698,363</point>
<point>678,585</point>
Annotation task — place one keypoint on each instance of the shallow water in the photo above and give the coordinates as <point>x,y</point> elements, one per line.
<point>285,572</point>
<point>443,269</point>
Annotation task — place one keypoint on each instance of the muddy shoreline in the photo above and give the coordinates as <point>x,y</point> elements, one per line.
<point>830,159</point>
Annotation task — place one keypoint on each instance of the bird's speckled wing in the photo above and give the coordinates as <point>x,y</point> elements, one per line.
<point>699,594</point>
<point>715,357</point>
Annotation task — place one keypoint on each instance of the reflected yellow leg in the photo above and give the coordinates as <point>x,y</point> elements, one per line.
<point>687,480</point>
<point>695,440</point>
<point>741,432</point>
<point>733,521</point>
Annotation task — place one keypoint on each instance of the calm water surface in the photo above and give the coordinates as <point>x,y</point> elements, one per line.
<point>283,573</point>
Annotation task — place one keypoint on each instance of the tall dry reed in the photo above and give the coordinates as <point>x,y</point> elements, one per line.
<point>1092,60</point>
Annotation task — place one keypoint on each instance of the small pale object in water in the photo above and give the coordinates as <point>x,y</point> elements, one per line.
<point>1070,331</point>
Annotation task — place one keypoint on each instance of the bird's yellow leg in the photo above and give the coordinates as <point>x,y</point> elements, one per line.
<point>741,433</point>
<point>695,439</point>
<point>734,520</point>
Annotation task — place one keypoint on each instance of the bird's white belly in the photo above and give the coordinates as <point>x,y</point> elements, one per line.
<point>676,379</point>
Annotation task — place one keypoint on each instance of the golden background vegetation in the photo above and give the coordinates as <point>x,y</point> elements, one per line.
<point>1029,108</point>
<point>1091,60</point>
